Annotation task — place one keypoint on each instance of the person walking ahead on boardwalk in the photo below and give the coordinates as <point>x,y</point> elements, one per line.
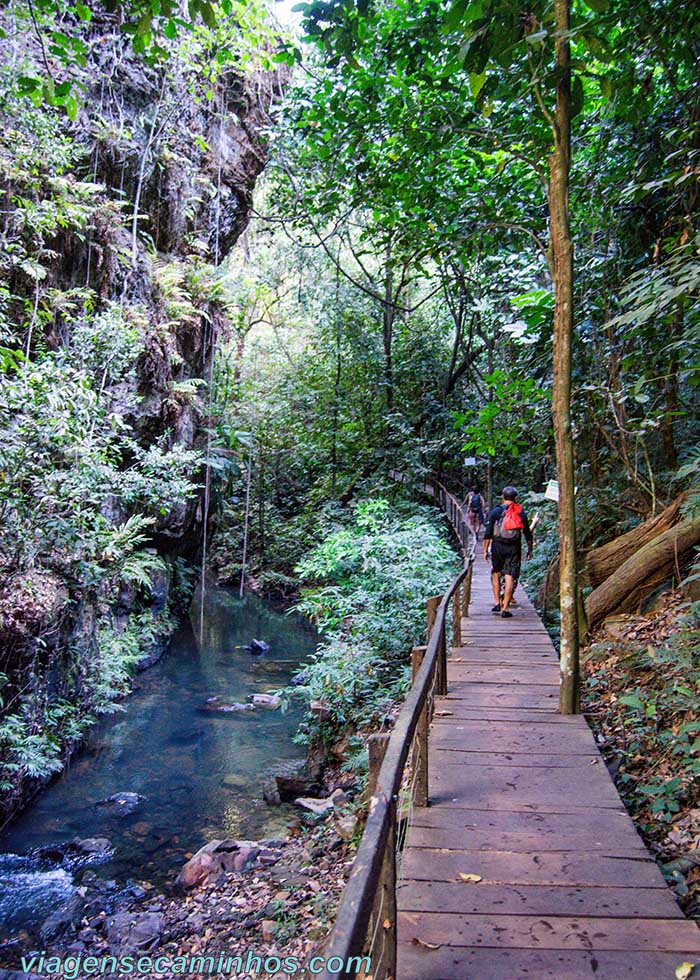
<point>507,525</point>
<point>475,513</point>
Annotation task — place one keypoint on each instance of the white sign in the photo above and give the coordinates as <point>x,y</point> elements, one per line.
<point>470,461</point>
<point>552,490</point>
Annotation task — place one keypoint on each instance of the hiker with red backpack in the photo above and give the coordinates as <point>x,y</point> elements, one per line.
<point>507,526</point>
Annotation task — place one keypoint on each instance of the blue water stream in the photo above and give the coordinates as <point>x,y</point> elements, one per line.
<point>200,772</point>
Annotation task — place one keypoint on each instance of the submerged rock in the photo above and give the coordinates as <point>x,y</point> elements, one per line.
<point>123,803</point>
<point>271,793</point>
<point>235,781</point>
<point>217,705</point>
<point>259,646</point>
<point>92,845</point>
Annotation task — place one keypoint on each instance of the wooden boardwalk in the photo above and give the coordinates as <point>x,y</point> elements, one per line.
<point>521,798</point>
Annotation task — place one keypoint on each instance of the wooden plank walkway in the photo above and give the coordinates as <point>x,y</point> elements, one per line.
<point>520,796</point>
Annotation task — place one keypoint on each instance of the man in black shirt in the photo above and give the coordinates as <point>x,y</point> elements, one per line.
<point>506,527</point>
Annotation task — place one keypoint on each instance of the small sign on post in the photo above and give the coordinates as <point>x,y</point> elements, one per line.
<point>471,461</point>
<point>552,490</point>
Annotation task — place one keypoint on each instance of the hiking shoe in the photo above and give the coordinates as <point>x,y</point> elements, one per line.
<point>495,608</point>
<point>506,615</point>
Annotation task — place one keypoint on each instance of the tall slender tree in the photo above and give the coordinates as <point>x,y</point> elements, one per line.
<point>562,265</point>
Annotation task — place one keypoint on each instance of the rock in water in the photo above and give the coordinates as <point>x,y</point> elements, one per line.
<point>218,706</point>
<point>270,793</point>
<point>259,646</point>
<point>122,803</point>
<point>235,780</point>
<point>92,845</point>
<point>298,783</point>
<point>266,700</point>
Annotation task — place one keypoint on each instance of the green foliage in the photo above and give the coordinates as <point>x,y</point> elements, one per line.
<point>244,33</point>
<point>62,459</point>
<point>504,425</point>
<point>371,582</point>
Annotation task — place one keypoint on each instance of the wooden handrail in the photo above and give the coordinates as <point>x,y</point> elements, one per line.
<point>373,874</point>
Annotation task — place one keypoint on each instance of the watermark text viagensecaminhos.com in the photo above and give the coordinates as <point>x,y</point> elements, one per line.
<point>219,964</point>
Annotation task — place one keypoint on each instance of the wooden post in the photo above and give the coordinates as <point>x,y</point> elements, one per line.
<point>457,617</point>
<point>467,590</point>
<point>441,666</point>
<point>376,748</point>
<point>385,906</point>
<point>417,654</point>
<point>421,746</point>
<point>432,608</point>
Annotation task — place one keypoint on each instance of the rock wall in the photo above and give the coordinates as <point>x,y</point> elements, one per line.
<point>166,159</point>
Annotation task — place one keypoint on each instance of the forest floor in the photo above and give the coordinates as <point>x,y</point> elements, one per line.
<point>641,676</point>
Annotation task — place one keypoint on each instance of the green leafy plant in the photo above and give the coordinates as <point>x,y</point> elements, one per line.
<point>368,599</point>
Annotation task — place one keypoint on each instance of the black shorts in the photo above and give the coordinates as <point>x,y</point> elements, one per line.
<point>506,561</point>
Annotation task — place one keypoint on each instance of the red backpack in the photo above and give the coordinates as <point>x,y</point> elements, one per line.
<point>510,524</point>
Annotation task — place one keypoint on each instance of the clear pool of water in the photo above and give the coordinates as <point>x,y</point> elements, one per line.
<point>200,773</point>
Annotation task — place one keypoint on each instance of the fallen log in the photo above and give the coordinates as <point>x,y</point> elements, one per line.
<point>602,562</point>
<point>647,568</point>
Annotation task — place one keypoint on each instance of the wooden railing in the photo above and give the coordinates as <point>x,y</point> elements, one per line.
<point>366,920</point>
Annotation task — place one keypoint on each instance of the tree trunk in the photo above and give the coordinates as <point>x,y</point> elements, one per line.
<point>563,274</point>
<point>388,313</point>
<point>644,571</point>
<point>603,562</point>
<point>670,413</point>
<point>489,462</point>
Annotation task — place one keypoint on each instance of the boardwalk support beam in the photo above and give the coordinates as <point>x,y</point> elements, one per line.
<point>420,755</point>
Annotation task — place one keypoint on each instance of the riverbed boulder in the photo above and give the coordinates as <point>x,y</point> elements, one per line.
<point>224,855</point>
<point>62,922</point>
<point>292,786</point>
<point>259,646</point>
<point>132,932</point>
<point>199,866</point>
<point>317,806</point>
